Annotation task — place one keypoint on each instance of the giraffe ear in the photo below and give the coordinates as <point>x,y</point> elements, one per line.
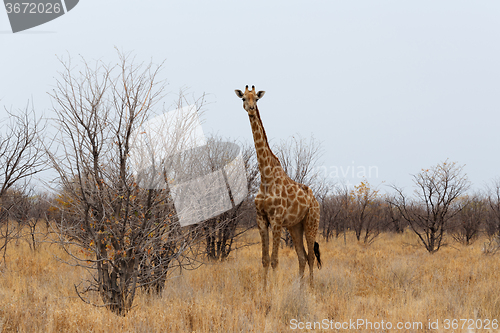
<point>260,94</point>
<point>239,93</point>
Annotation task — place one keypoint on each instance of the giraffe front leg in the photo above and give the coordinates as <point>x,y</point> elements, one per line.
<point>264,236</point>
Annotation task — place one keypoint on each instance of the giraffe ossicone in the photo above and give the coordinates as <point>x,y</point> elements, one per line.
<point>280,201</point>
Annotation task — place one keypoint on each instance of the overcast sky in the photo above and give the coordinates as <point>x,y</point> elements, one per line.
<point>393,85</point>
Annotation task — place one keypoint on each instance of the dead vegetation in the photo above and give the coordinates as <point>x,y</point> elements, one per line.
<point>390,280</point>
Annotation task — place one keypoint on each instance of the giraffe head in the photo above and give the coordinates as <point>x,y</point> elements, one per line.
<point>250,98</point>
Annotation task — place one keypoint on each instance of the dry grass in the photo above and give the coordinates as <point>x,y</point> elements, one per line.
<point>392,280</point>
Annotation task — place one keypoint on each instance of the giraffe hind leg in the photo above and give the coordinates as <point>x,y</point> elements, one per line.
<point>311,225</point>
<point>297,233</point>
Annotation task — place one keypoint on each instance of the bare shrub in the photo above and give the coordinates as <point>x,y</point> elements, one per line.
<point>366,212</point>
<point>493,218</point>
<point>492,246</point>
<point>126,236</point>
<point>396,222</point>
<point>29,209</point>
<point>435,202</point>
<point>469,220</point>
<point>21,157</point>
<point>221,232</point>
<point>335,213</point>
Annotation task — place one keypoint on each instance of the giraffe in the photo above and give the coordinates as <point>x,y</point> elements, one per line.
<point>280,201</point>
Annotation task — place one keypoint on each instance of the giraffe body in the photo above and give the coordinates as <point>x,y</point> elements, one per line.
<point>280,201</point>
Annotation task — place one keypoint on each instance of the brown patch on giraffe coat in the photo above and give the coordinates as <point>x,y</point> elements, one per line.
<point>295,208</point>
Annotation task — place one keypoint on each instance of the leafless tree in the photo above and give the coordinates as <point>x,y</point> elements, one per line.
<point>435,202</point>
<point>29,208</point>
<point>335,212</point>
<point>10,229</point>
<point>365,212</point>
<point>471,217</point>
<point>300,158</point>
<point>117,220</point>
<point>251,167</point>
<point>396,222</point>
<point>493,199</point>
<point>222,231</point>
<point>21,157</point>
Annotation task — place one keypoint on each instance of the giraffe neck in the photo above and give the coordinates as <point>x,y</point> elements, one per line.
<point>266,159</point>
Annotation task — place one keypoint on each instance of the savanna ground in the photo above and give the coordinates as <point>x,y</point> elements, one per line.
<point>393,280</point>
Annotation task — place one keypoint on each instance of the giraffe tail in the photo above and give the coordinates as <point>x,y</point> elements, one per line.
<point>317,254</point>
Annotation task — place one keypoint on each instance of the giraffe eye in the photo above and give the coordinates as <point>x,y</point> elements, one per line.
<point>243,99</point>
